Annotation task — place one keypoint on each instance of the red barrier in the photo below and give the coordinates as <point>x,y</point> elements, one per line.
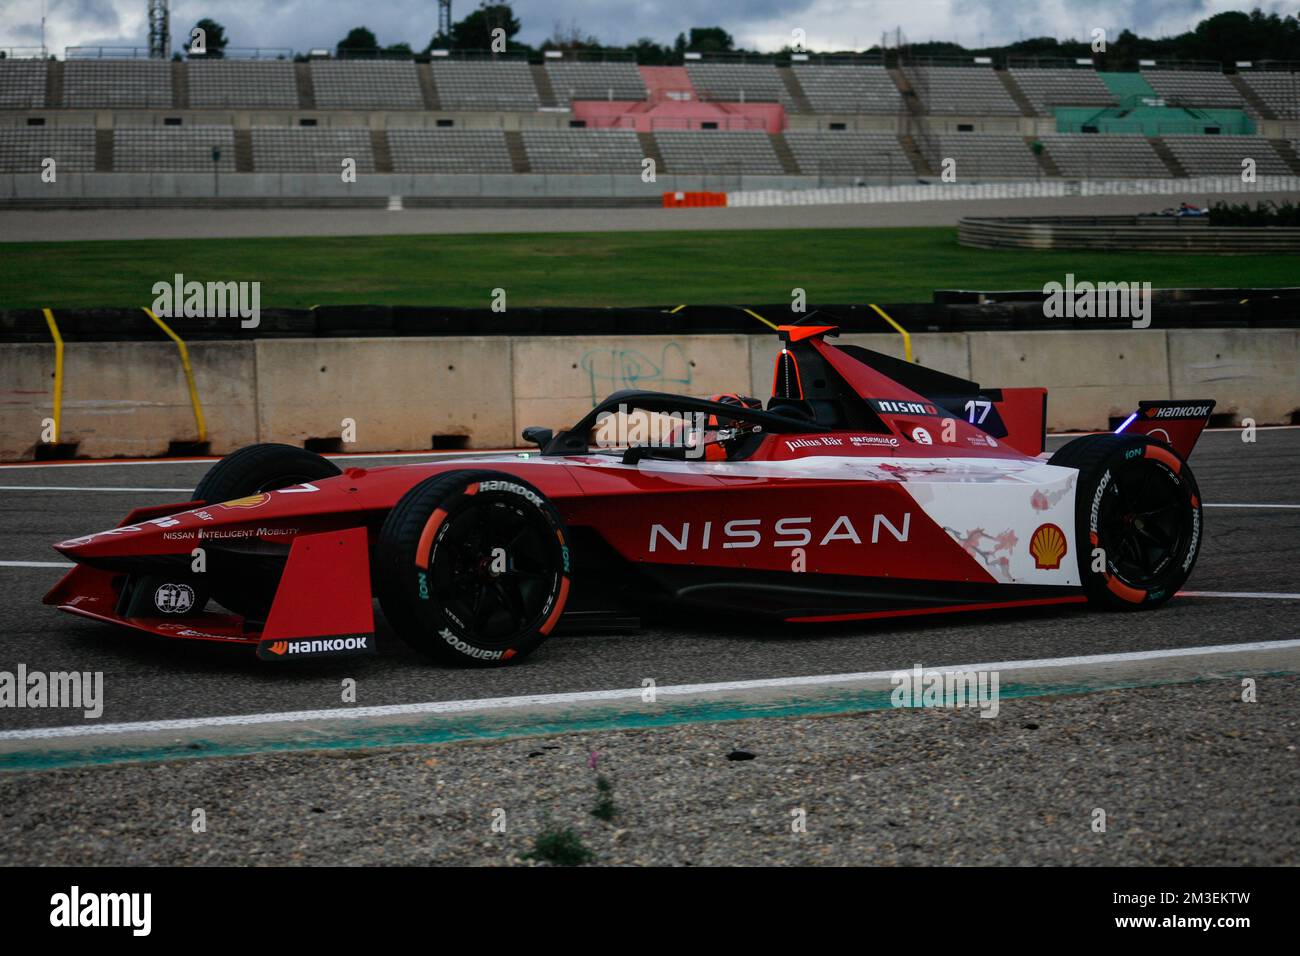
<point>681,200</point>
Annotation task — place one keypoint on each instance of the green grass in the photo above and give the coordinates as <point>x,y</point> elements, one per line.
<point>560,846</point>
<point>589,269</point>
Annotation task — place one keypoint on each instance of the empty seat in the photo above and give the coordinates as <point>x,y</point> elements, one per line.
<point>366,84</point>
<point>987,156</point>
<point>595,81</point>
<point>23,149</point>
<point>848,153</point>
<point>583,151</point>
<point>173,149</point>
<point>485,85</point>
<point>449,151</point>
<point>969,90</point>
<point>1094,156</point>
<point>1222,155</point>
<point>739,83</point>
<point>1194,88</point>
<point>141,84</point>
<point>242,84</point>
<point>848,88</point>
<point>22,84</point>
<point>718,151</point>
<point>311,150</point>
<point>1046,88</point>
<point>1279,90</point>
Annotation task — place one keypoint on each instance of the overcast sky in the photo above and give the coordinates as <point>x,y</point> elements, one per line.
<point>756,24</point>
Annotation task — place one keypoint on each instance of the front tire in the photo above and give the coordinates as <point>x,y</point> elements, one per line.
<point>1138,504</point>
<point>472,568</point>
<point>246,583</point>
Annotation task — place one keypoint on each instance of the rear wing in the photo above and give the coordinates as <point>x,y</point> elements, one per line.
<point>1176,423</point>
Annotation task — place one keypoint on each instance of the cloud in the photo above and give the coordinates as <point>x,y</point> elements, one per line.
<point>757,24</point>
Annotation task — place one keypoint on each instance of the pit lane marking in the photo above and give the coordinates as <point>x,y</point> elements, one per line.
<point>490,704</point>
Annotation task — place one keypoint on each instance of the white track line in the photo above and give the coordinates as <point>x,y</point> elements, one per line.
<point>1258,595</point>
<point>185,491</point>
<point>35,564</point>
<point>1288,507</point>
<point>466,453</point>
<point>624,694</point>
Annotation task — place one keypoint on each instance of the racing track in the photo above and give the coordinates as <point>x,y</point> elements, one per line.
<point>1252,549</point>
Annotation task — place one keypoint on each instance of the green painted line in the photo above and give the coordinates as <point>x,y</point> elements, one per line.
<point>444,730</point>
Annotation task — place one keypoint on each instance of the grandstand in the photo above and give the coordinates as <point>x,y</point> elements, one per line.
<point>1277,90</point>
<point>312,150</point>
<point>24,149</point>
<point>987,155</point>
<point>576,80</point>
<point>774,122</point>
<point>723,151</point>
<point>848,88</point>
<point>22,84</point>
<point>485,85</point>
<point>1222,155</point>
<point>1198,88</point>
<point>242,84</point>
<point>1049,87</point>
<point>971,90</point>
<point>1095,157</point>
<point>871,155</point>
<point>173,149</point>
<point>449,151</point>
<point>582,151</point>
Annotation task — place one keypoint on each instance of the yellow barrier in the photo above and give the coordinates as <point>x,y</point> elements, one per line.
<point>189,375</point>
<point>58,375</point>
<point>760,318</point>
<point>907,339</point>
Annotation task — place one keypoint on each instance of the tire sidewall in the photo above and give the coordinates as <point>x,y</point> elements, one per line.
<point>1109,586</point>
<point>430,515</point>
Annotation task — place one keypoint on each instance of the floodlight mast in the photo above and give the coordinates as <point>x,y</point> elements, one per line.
<point>160,32</point>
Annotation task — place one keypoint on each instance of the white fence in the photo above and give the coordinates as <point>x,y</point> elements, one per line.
<point>940,191</point>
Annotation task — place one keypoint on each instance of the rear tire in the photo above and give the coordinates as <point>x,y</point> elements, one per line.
<point>472,568</point>
<point>1138,502</point>
<point>246,584</point>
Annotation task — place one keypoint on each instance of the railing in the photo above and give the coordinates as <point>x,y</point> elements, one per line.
<point>244,53</point>
<point>106,53</point>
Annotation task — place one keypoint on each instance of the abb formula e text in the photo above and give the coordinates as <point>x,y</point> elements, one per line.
<point>867,487</point>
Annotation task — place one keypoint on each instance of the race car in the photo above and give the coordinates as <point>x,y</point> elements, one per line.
<point>867,487</point>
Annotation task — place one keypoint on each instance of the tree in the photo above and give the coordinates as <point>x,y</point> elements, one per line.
<point>214,38</point>
<point>358,40</point>
<point>710,40</point>
<point>475,31</point>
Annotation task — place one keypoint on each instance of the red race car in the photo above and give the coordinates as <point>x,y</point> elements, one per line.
<point>868,487</point>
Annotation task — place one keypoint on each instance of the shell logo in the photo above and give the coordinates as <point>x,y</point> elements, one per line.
<point>252,501</point>
<point>1048,546</point>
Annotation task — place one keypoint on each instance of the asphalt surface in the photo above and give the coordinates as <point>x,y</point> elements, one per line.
<point>1245,550</point>
<point>1185,775</point>
<point>115,224</point>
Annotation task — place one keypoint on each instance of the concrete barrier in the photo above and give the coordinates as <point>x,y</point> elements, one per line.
<point>1252,373</point>
<point>399,392</point>
<point>130,399</point>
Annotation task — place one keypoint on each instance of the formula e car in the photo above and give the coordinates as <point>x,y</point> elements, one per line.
<point>868,487</point>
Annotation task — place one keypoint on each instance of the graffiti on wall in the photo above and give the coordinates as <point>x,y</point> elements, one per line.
<point>609,370</point>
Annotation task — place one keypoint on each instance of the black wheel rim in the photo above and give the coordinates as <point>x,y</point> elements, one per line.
<point>493,568</point>
<point>1144,522</point>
